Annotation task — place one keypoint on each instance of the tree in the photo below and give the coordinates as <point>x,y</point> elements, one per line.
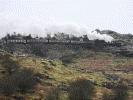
<point>8,36</point>
<point>85,38</point>
<point>81,89</point>
<point>10,65</point>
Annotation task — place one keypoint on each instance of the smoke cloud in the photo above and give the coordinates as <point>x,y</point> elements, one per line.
<point>77,30</point>
<point>15,23</point>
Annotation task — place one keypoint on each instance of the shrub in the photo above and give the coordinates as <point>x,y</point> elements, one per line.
<point>7,85</point>
<point>67,58</point>
<point>120,92</point>
<point>10,65</point>
<point>53,94</point>
<point>81,89</point>
<point>25,79</point>
<point>39,50</point>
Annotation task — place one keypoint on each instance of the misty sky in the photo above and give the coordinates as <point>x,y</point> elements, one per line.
<point>34,16</point>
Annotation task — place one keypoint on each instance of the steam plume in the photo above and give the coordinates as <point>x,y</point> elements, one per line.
<point>15,23</point>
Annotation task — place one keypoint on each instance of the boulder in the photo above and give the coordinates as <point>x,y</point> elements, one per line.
<point>107,85</point>
<point>39,75</point>
<point>93,82</point>
<point>63,87</point>
<point>48,77</point>
<point>89,72</point>
<point>18,97</point>
<point>37,79</point>
<point>49,83</point>
<point>3,72</point>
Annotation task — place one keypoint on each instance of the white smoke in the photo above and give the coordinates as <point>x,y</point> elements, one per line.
<point>15,23</point>
<point>77,30</point>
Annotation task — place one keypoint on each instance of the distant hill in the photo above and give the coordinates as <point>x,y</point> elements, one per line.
<point>117,35</point>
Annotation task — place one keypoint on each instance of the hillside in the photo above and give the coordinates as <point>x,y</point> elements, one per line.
<point>96,67</point>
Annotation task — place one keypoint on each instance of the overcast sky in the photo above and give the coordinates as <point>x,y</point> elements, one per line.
<point>35,15</point>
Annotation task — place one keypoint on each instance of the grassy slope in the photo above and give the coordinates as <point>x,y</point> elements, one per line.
<point>60,73</point>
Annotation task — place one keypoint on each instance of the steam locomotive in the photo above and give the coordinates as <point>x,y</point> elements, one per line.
<point>65,42</point>
<point>44,41</point>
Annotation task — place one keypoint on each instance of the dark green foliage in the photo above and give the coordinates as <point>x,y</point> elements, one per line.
<point>120,92</point>
<point>10,65</point>
<point>25,79</point>
<point>53,94</point>
<point>81,89</point>
<point>7,85</point>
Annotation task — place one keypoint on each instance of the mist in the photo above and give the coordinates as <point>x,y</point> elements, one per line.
<point>15,23</point>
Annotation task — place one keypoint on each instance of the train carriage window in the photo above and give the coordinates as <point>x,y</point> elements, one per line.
<point>24,41</point>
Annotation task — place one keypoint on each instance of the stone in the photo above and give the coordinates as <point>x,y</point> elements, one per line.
<point>49,83</point>
<point>48,77</point>
<point>39,75</point>
<point>18,97</point>
<point>45,72</point>
<point>37,79</point>
<point>119,80</point>
<point>89,72</point>
<point>107,85</point>
<point>93,82</point>
<point>63,87</point>
<point>52,63</point>
<point>3,72</point>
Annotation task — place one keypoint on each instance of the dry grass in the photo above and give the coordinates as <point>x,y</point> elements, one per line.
<point>60,73</point>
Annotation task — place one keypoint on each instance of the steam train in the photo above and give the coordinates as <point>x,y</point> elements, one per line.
<point>44,41</point>
<point>65,42</point>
